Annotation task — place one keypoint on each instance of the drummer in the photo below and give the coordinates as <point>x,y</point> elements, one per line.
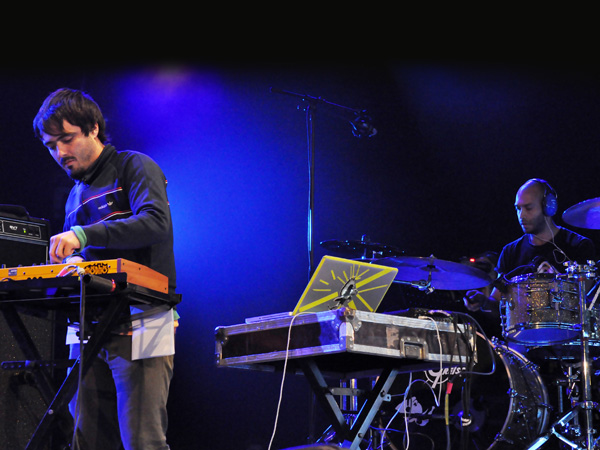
<point>543,248</point>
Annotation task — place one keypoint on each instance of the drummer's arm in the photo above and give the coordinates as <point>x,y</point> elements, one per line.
<point>476,300</point>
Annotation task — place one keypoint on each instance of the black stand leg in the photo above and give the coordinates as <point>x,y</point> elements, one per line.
<point>116,307</point>
<point>350,436</point>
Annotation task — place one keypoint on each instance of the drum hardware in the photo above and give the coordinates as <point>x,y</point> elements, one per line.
<point>562,422</point>
<point>349,392</point>
<point>584,403</point>
<point>560,385</point>
<point>581,273</point>
<point>573,391</point>
<point>430,273</point>
<point>570,383</point>
<point>362,249</point>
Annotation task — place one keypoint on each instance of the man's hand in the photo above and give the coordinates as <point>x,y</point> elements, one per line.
<point>475,300</point>
<point>63,245</point>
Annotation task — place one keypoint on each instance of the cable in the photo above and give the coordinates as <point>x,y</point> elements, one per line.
<point>387,428</point>
<point>287,351</point>
<point>458,333</point>
<point>407,436</point>
<point>80,272</point>
<point>458,319</point>
<point>551,241</point>
<point>489,347</point>
<point>411,382</point>
<point>437,399</point>
<point>449,386</point>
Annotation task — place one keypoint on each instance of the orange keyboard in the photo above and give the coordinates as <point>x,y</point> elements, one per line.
<point>136,273</point>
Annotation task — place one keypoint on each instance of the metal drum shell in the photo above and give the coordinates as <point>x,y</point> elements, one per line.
<point>541,309</point>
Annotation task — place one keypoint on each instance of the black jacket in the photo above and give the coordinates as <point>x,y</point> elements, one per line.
<point>121,203</point>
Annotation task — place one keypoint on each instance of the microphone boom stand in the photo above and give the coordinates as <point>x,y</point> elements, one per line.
<point>360,128</point>
<point>310,109</point>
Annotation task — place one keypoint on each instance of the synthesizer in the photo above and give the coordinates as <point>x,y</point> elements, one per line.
<point>136,273</point>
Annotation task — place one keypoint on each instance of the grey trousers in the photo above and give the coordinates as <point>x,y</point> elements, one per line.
<point>122,404</point>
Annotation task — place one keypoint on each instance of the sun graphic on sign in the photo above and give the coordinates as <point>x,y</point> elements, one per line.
<point>344,285</point>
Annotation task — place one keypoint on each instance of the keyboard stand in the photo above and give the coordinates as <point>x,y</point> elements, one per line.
<point>350,436</point>
<point>27,292</point>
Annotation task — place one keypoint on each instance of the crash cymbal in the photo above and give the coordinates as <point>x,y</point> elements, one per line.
<point>584,215</point>
<point>360,249</point>
<point>445,275</point>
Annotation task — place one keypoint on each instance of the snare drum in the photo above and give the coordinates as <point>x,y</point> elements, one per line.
<point>541,309</point>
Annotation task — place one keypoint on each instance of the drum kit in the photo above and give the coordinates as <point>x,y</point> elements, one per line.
<point>539,311</point>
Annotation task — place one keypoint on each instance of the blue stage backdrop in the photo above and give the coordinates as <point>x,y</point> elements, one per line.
<point>453,144</point>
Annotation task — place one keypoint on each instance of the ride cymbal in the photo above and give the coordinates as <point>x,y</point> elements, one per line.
<point>444,275</point>
<point>585,214</point>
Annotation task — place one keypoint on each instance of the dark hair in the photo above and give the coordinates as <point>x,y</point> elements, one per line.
<point>76,107</point>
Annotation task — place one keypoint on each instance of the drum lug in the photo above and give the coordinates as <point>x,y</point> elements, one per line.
<point>500,346</point>
<point>512,393</point>
<point>500,438</point>
<point>519,408</point>
<point>546,406</point>
<point>531,366</point>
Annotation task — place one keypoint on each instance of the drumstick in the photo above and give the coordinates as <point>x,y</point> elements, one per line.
<point>594,300</point>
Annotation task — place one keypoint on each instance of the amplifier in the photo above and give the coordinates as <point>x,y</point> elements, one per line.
<point>23,240</point>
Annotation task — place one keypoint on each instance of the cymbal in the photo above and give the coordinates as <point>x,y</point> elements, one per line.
<point>363,249</point>
<point>445,275</point>
<point>585,214</point>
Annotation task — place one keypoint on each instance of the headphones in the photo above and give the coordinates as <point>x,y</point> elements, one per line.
<point>549,201</point>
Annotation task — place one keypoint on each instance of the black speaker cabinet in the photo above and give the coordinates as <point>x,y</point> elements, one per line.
<point>24,242</point>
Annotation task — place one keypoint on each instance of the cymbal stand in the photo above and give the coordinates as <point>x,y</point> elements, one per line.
<point>581,274</point>
<point>423,285</point>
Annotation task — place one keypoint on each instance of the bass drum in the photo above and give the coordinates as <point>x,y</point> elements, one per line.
<point>508,409</point>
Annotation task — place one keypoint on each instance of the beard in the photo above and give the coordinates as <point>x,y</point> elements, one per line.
<point>536,226</point>
<point>76,174</point>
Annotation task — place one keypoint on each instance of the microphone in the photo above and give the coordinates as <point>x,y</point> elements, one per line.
<point>362,126</point>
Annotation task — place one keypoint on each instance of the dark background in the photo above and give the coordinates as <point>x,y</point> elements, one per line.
<point>454,143</point>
